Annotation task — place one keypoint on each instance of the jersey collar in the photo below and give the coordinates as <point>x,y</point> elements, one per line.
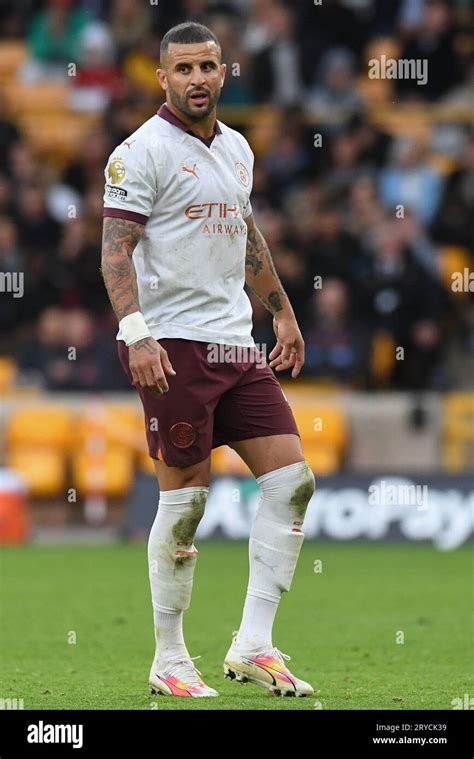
<point>165,113</point>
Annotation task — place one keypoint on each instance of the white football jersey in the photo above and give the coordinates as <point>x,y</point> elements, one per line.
<point>190,260</point>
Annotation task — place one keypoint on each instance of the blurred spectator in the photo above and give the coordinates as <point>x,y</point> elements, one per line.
<point>6,200</point>
<point>334,252</point>
<point>22,165</point>
<point>453,224</point>
<point>10,257</point>
<point>336,347</point>
<point>399,297</point>
<point>286,161</point>
<point>88,168</point>
<point>410,180</point>
<point>140,64</point>
<point>53,40</point>
<point>11,260</point>
<point>334,89</point>
<point>257,36</point>
<point>39,233</point>
<point>79,263</point>
<point>434,42</point>
<point>66,354</point>
<point>37,357</point>
<point>345,167</point>
<point>276,72</point>
<point>98,79</point>
<point>9,135</point>
<point>295,277</point>
<point>237,86</point>
<point>129,25</point>
<point>364,209</point>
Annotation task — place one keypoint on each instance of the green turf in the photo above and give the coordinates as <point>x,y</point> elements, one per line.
<point>340,627</point>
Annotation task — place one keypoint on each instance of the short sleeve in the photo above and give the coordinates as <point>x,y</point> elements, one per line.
<point>130,183</point>
<point>247,207</point>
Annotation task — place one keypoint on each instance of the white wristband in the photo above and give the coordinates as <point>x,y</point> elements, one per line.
<point>133,328</point>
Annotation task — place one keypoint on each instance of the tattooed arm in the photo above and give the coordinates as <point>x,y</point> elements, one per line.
<point>262,278</point>
<point>119,239</point>
<point>148,360</point>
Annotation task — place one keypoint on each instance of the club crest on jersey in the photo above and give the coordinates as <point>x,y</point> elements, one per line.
<point>242,173</point>
<point>182,434</point>
<point>116,170</point>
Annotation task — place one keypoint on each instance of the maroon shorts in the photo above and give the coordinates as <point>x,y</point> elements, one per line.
<point>209,403</point>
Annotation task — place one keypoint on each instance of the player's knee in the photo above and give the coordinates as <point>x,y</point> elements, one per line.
<point>185,527</point>
<point>304,488</point>
<point>286,493</point>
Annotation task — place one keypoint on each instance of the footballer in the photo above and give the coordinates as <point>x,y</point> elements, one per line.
<point>179,244</point>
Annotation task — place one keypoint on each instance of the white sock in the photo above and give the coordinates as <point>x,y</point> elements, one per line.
<point>169,637</point>
<point>172,558</point>
<point>274,546</point>
<point>255,633</point>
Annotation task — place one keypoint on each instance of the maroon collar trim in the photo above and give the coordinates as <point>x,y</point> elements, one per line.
<point>165,113</point>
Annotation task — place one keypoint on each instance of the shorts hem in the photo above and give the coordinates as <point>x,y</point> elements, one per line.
<point>253,436</point>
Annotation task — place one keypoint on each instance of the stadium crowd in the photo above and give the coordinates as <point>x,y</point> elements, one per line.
<point>329,181</point>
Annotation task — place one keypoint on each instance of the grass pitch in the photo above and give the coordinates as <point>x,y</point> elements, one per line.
<point>380,627</point>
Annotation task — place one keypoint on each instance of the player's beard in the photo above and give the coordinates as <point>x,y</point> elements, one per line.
<point>182,104</point>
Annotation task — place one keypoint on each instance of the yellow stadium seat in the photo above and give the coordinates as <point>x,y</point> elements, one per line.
<point>43,426</point>
<point>12,55</point>
<point>118,425</point>
<point>109,474</point>
<point>382,357</point>
<point>453,260</point>
<point>41,98</point>
<point>145,464</point>
<point>323,458</point>
<point>56,137</point>
<point>43,469</point>
<point>458,431</point>
<point>322,423</point>
<point>218,461</point>
<point>324,435</point>
<point>7,374</point>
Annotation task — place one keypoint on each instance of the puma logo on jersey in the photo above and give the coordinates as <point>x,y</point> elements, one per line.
<point>128,143</point>
<point>191,171</point>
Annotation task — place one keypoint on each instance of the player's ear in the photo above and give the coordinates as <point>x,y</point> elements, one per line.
<point>223,73</point>
<point>161,76</point>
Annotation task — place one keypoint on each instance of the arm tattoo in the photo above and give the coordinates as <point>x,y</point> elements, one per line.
<point>145,344</point>
<point>118,243</point>
<point>274,300</point>
<point>261,275</point>
<point>257,251</point>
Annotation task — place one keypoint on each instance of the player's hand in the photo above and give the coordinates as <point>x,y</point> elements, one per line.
<point>149,365</point>
<point>289,349</point>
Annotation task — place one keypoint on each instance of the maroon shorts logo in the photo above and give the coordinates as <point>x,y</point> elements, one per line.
<point>182,434</point>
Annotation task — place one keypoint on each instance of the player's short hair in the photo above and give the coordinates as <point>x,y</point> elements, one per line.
<point>187,33</point>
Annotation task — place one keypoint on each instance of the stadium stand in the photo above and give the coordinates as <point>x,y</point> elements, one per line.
<point>326,208</point>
